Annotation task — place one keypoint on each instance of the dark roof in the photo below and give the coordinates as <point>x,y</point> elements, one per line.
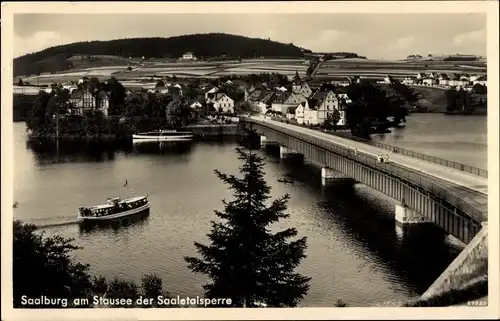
<point>281,97</point>
<point>291,110</point>
<point>77,94</point>
<point>102,94</point>
<point>313,103</point>
<point>173,90</point>
<point>267,97</point>
<point>199,98</point>
<point>255,95</point>
<point>240,82</point>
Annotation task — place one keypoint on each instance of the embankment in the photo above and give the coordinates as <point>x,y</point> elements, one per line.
<point>213,130</point>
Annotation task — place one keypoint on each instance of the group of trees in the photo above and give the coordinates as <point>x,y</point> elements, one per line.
<point>463,101</point>
<point>44,266</point>
<point>371,106</point>
<point>143,111</point>
<point>244,260</point>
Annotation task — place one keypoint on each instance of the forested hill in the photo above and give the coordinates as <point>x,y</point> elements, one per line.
<point>202,45</point>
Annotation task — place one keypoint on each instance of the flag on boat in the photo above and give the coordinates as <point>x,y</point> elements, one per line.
<point>126,183</point>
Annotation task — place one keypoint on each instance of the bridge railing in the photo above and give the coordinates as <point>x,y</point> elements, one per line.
<point>432,159</point>
<point>391,168</point>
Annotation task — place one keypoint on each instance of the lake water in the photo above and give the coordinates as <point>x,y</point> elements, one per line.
<point>452,137</point>
<point>355,251</point>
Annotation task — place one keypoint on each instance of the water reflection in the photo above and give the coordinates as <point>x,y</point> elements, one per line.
<point>47,152</point>
<point>116,225</point>
<point>418,253</point>
<point>174,147</point>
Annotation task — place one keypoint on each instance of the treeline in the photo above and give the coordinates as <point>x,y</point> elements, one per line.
<point>342,55</point>
<point>371,106</point>
<point>202,45</point>
<point>461,58</point>
<point>466,102</point>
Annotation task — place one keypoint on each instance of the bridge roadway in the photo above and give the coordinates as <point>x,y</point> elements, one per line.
<point>470,188</point>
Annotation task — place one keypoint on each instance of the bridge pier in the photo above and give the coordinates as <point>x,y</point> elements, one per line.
<point>265,142</point>
<point>407,216</point>
<point>287,153</point>
<point>329,176</point>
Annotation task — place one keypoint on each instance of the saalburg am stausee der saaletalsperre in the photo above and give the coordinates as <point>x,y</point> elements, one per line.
<point>160,300</point>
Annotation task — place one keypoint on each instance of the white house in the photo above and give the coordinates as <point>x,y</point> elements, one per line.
<point>316,110</point>
<point>443,79</point>
<point>428,81</point>
<point>421,75</point>
<point>282,89</point>
<point>481,80</point>
<point>408,80</point>
<point>196,105</point>
<point>188,56</point>
<point>464,81</point>
<point>325,102</point>
<point>299,112</point>
<point>223,103</point>
<point>211,95</point>
<point>387,80</point>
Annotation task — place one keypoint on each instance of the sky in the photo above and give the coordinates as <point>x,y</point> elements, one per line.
<point>388,36</point>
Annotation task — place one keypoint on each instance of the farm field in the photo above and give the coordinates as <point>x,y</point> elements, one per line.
<point>381,68</point>
<point>179,69</point>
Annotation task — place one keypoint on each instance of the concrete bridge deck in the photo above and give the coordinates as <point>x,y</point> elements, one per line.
<point>470,188</point>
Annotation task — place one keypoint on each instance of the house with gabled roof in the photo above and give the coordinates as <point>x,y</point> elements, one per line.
<point>198,102</point>
<point>443,79</point>
<point>454,80</point>
<point>283,100</point>
<point>223,103</point>
<point>303,89</point>
<point>322,103</point>
<point>411,80</point>
<point>265,100</point>
<point>299,112</point>
<point>429,81</point>
<point>421,75</point>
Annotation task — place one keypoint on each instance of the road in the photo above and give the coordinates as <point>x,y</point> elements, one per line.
<point>476,184</point>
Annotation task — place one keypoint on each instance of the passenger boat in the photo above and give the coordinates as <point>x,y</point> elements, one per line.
<point>114,208</point>
<point>163,135</point>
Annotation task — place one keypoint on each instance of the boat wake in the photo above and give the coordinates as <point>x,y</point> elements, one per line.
<point>43,223</point>
<point>49,225</point>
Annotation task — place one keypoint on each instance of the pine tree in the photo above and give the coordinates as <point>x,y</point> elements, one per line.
<point>245,260</point>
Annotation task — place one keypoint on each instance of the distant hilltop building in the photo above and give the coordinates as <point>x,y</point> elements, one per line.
<point>188,56</point>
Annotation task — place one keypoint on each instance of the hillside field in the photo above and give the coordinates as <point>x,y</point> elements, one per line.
<point>162,68</point>
<point>397,68</point>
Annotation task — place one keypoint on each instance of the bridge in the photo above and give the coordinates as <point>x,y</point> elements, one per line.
<point>450,195</point>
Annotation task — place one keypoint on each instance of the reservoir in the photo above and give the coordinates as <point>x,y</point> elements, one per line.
<point>355,251</point>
